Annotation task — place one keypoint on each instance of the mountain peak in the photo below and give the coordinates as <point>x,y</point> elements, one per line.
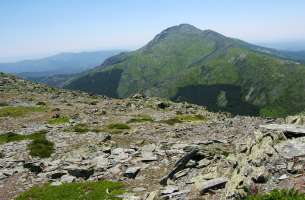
<point>182,28</point>
<point>184,32</point>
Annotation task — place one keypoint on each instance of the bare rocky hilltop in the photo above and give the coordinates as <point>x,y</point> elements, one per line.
<point>157,148</point>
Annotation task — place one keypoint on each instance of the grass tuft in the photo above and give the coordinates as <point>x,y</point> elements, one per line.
<point>140,119</point>
<point>119,126</point>
<point>81,128</point>
<point>59,120</point>
<point>75,191</point>
<point>11,137</point>
<point>278,195</point>
<point>19,111</point>
<point>184,118</point>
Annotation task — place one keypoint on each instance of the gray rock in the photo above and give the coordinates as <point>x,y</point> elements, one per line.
<point>152,196</point>
<point>283,177</point>
<point>34,167</point>
<point>149,147</point>
<point>56,183</point>
<point>205,186</point>
<point>291,148</point>
<point>181,173</point>
<point>148,156</point>
<point>2,176</point>
<point>57,174</point>
<point>260,175</point>
<point>81,172</point>
<point>290,130</point>
<point>132,172</point>
<point>101,163</point>
<point>138,189</point>
<point>169,190</point>
<point>203,163</point>
<point>67,179</point>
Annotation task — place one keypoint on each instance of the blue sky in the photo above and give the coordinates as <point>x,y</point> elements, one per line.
<point>33,28</point>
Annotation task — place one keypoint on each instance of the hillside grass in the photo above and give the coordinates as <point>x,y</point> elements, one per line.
<point>75,191</point>
<point>140,119</point>
<point>19,111</point>
<point>184,118</point>
<point>59,120</point>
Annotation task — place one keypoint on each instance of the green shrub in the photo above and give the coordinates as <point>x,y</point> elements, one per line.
<point>59,120</point>
<point>41,148</point>
<point>19,111</point>
<point>140,118</point>
<point>278,195</point>
<point>75,191</point>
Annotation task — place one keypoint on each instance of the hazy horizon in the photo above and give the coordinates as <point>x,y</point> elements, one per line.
<point>35,29</point>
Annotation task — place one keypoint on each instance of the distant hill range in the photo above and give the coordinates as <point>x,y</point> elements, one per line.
<point>63,63</point>
<point>185,63</point>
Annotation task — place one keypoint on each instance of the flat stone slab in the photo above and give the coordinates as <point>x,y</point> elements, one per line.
<point>294,130</point>
<point>169,190</point>
<point>148,156</point>
<point>132,172</point>
<point>291,148</point>
<point>205,186</point>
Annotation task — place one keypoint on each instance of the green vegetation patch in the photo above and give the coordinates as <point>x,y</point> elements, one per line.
<point>12,137</point>
<point>140,119</point>
<point>119,126</point>
<point>184,118</point>
<point>39,146</point>
<point>116,128</point>
<point>75,191</point>
<point>80,128</point>
<point>278,195</point>
<point>19,111</point>
<point>59,120</point>
<point>83,128</point>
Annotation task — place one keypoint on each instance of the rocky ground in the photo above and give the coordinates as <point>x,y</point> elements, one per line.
<point>213,156</point>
